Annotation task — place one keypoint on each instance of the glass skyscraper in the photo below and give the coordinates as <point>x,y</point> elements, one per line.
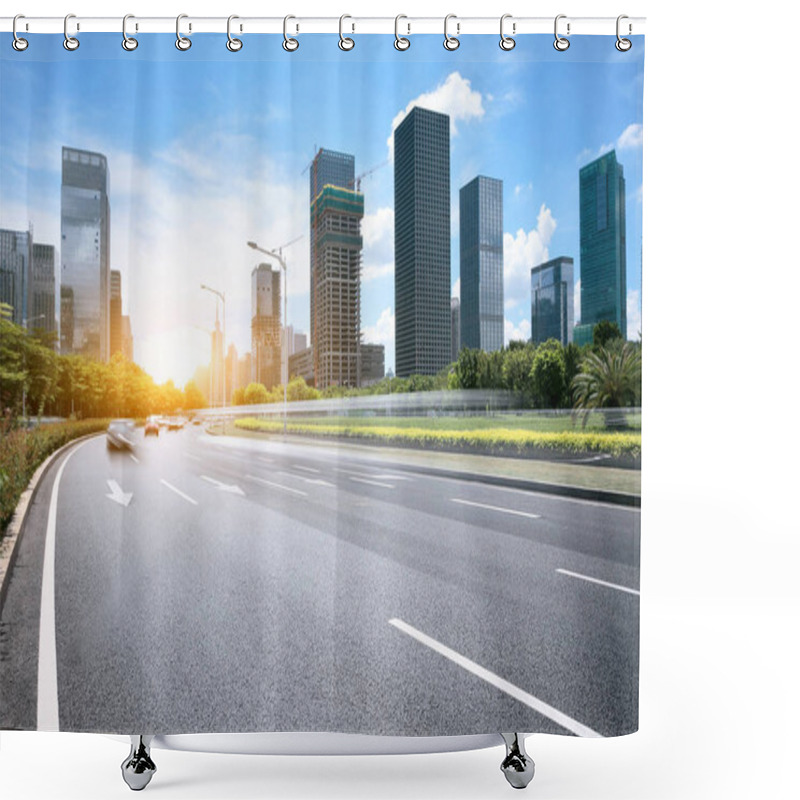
<point>603,266</point>
<point>552,301</point>
<point>85,236</point>
<point>15,267</point>
<point>328,167</point>
<point>481,248</point>
<point>422,242</point>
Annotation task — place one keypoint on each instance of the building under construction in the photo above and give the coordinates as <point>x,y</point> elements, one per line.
<point>265,326</point>
<point>336,214</point>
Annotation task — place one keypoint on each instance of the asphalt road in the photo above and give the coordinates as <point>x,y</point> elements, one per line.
<point>213,584</point>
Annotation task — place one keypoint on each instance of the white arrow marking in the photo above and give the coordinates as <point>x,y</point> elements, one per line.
<point>223,487</point>
<point>117,495</point>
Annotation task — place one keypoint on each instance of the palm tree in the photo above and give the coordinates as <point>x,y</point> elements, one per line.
<point>610,378</point>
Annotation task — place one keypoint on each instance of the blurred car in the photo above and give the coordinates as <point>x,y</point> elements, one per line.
<point>151,426</point>
<point>174,424</point>
<point>120,433</point>
<point>197,421</point>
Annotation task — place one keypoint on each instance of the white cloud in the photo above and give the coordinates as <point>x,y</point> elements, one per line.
<point>376,226</point>
<point>456,290</point>
<point>382,332</point>
<point>377,229</point>
<point>520,188</point>
<point>517,332</point>
<point>455,97</point>
<point>523,251</point>
<point>634,312</point>
<point>630,138</point>
<point>373,272</point>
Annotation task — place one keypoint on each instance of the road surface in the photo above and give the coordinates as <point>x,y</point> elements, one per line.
<point>213,584</point>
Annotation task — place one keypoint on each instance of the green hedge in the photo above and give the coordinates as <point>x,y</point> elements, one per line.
<point>492,439</point>
<point>21,452</point>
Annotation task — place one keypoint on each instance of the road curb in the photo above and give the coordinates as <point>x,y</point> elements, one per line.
<point>13,533</point>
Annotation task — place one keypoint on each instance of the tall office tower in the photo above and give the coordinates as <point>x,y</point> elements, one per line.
<point>43,290</point>
<point>455,328</point>
<point>299,342</point>
<point>328,167</point>
<point>115,313</point>
<point>85,237</point>
<point>373,358</point>
<point>481,250</point>
<point>552,301</point>
<point>265,325</point>
<point>336,215</point>
<point>244,371</point>
<point>15,261</point>
<point>217,366</point>
<point>603,266</point>
<point>231,372</point>
<point>127,337</point>
<point>422,242</point>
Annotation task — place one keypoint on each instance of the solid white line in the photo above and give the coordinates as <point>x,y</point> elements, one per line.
<point>313,481</point>
<point>597,580</point>
<point>528,699</point>
<point>276,485</point>
<point>133,458</point>
<point>496,508</point>
<point>306,469</point>
<point>372,483</point>
<point>179,492</point>
<point>47,701</point>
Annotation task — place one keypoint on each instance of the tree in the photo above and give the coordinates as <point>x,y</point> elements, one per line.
<point>604,331</point>
<point>517,367</point>
<point>255,394</point>
<point>298,389</point>
<point>471,368</point>
<point>194,398</point>
<point>547,374</point>
<point>238,396</point>
<point>610,378</point>
<point>573,355</point>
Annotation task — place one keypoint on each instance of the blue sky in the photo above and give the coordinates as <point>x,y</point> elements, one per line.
<point>207,149</point>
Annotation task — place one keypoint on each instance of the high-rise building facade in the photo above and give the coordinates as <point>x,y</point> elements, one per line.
<point>43,290</point>
<point>265,325</point>
<point>481,250</point>
<point>115,312</point>
<point>422,242</point>
<point>336,215</point>
<point>15,265</point>
<point>328,168</point>
<point>455,328</point>
<point>552,301</point>
<point>373,359</point>
<point>603,264</point>
<point>85,238</point>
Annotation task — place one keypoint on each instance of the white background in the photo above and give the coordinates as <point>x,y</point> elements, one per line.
<point>720,603</point>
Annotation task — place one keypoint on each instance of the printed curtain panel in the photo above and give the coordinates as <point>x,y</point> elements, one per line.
<point>332,359</point>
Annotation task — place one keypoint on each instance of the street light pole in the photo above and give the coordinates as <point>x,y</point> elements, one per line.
<point>221,296</point>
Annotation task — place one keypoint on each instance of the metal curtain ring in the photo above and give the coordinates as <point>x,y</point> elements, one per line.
<point>507,42</point>
<point>451,42</point>
<point>181,42</point>
<point>289,44</point>
<point>128,42</point>
<point>233,44</point>
<point>400,42</point>
<point>560,43</point>
<point>623,45</point>
<point>345,42</point>
<point>70,42</point>
<point>18,42</point>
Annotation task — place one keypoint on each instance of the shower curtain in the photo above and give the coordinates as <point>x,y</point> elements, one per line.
<point>329,359</point>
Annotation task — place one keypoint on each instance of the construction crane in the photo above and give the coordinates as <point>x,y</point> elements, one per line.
<point>366,174</point>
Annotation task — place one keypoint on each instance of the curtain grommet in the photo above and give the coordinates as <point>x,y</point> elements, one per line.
<point>451,43</point>
<point>507,42</point>
<point>129,43</point>
<point>561,43</point>
<point>622,44</point>
<point>181,42</point>
<point>289,44</point>
<point>70,42</point>
<point>233,44</point>
<point>18,43</point>
<point>401,43</point>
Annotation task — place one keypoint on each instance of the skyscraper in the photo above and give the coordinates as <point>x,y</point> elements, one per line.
<point>455,328</point>
<point>603,266</point>
<point>115,313</point>
<point>552,301</point>
<point>265,325</point>
<point>481,250</point>
<point>43,290</point>
<point>336,215</point>
<point>15,261</point>
<point>422,242</point>
<point>85,236</point>
<point>328,167</point>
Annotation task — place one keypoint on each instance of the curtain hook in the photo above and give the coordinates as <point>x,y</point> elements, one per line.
<point>345,42</point>
<point>451,42</point>
<point>507,42</point>
<point>233,44</point>
<point>289,44</point>
<point>400,42</point>
<point>19,44</point>
<point>70,42</point>
<point>561,43</point>
<point>623,45</point>
<point>128,42</point>
<point>181,42</point>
